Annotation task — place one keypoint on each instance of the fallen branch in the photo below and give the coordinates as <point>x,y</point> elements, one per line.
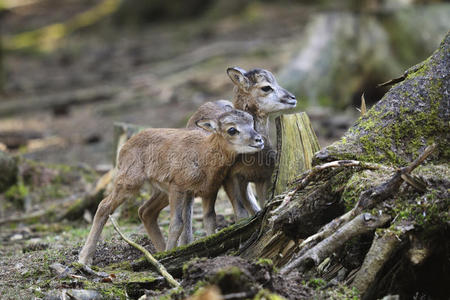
<point>361,224</point>
<point>159,267</point>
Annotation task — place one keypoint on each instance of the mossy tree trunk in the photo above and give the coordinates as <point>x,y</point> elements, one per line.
<point>372,213</point>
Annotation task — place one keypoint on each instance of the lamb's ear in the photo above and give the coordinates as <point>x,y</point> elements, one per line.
<point>237,75</point>
<point>207,124</point>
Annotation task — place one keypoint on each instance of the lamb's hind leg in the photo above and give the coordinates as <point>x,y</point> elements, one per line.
<point>262,191</point>
<point>209,214</point>
<point>149,212</point>
<point>233,187</point>
<point>107,206</point>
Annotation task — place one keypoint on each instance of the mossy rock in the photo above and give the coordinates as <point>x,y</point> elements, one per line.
<point>412,115</point>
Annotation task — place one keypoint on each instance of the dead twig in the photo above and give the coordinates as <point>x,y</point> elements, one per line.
<point>159,267</point>
<point>241,295</point>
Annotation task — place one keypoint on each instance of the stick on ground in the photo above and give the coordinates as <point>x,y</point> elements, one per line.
<point>159,267</point>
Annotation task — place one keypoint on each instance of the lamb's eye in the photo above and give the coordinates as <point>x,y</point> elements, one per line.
<point>232,131</point>
<point>267,88</point>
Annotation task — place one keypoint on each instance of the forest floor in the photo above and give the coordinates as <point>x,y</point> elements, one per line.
<point>155,76</point>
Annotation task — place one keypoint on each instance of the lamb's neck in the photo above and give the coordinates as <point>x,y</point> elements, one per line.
<point>219,151</point>
<point>243,102</point>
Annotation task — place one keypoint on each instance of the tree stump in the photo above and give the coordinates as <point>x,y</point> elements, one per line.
<point>296,145</point>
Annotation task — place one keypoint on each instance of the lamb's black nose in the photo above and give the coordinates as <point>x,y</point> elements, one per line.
<point>289,95</point>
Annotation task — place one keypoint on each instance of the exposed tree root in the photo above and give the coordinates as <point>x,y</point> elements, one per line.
<point>381,250</point>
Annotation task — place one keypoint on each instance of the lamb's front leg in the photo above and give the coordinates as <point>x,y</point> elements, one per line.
<point>176,202</point>
<point>209,214</point>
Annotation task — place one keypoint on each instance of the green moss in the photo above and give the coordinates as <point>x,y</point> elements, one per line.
<point>360,182</point>
<point>407,134</point>
<point>192,261</point>
<point>425,211</point>
<point>199,285</point>
<point>173,294</point>
<point>124,265</point>
<point>203,241</point>
<point>316,283</point>
<point>17,194</point>
<point>76,265</point>
<point>265,262</point>
<point>342,292</point>
<point>267,295</point>
<point>233,273</point>
<point>107,290</point>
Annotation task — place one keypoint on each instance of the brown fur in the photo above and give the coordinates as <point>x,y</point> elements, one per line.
<point>181,163</point>
<point>175,156</point>
<point>210,109</point>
